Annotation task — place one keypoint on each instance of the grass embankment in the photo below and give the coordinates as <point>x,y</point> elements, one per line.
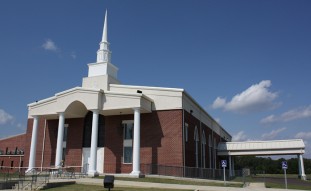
<point>278,181</point>
<point>82,187</point>
<point>290,186</point>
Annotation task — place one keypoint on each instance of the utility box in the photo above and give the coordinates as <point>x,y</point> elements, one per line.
<point>109,181</point>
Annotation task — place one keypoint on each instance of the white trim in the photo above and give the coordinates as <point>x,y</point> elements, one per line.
<point>148,87</point>
<point>127,121</point>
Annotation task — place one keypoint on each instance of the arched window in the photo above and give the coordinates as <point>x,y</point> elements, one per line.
<point>186,132</point>
<point>215,151</point>
<point>196,140</point>
<point>203,148</point>
<point>210,150</point>
<point>87,131</point>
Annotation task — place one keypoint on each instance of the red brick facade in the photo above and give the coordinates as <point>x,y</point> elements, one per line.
<point>12,149</point>
<point>190,157</point>
<point>161,141</point>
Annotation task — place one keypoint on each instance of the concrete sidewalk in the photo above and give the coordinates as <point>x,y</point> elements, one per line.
<point>121,183</point>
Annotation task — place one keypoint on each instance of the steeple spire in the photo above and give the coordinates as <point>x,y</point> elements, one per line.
<point>102,72</point>
<point>104,54</point>
<point>104,38</point>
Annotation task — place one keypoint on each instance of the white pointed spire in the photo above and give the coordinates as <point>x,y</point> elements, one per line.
<point>104,54</point>
<point>104,38</point>
<point>102,72</point>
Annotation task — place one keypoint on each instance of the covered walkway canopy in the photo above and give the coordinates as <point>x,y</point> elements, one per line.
<point>261,148</point>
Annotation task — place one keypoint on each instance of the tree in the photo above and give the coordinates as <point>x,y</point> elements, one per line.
<point>269,165</point>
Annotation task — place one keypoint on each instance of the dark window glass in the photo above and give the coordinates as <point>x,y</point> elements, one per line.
<point>65,133</point>
<point>87,132</point>
<point>128,154</point>
<point>101,131</point>
<point>128,131</point>
<point>12,163</point>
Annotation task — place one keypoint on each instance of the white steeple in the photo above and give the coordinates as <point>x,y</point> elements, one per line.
<point>104,54</point>
<point>104,38</point>
<point>102,72</point>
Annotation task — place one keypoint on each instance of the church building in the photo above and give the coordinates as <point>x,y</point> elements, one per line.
<point>108,127</point>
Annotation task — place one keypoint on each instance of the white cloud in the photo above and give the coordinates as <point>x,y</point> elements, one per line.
<point>5,117</point>
<point>240,136</point>
<point>49,45</point>
<point>272,134</point>
<point>303,135</point>
<point>218,120</point>
<point>294,114</point>
<point>21,126</point>
<point>219,103</point>
<point>73,55</point>
<point>255,98</point>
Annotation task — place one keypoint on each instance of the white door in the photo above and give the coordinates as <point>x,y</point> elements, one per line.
<point>86,159</point>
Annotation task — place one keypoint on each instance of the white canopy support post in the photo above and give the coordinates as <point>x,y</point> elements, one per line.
<point>301,168</point>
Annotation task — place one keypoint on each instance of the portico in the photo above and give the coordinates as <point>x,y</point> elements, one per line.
<point>76,103</point>
<point>263,148</point>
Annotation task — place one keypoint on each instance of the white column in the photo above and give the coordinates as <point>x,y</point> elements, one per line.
<point>136,143</point>
<point>92,168</point>
<point>230,167</point>
<point>60,138</point>
<point>33,146</point>
<point>301,168</point>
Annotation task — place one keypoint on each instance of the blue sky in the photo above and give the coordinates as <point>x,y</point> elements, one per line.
<point>246,62</point>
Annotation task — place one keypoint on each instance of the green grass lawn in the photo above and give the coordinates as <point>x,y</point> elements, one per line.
<point>277,181</point>
<point>298,187</point>
<point>81,187</point>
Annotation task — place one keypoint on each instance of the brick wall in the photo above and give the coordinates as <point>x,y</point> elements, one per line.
<point>190,144</point>
<point>161,140</point>
<point>11,144</point>
<point>190,159</point>
<point>74,142</point>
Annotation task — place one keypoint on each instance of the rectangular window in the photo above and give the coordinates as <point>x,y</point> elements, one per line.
<point>128,131</point>
<point>186,132</point>
<point>2,162</point>
<point>128,127</point>
<point>128,154</point>
<point>65,132</point>
<point>12,164</point>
